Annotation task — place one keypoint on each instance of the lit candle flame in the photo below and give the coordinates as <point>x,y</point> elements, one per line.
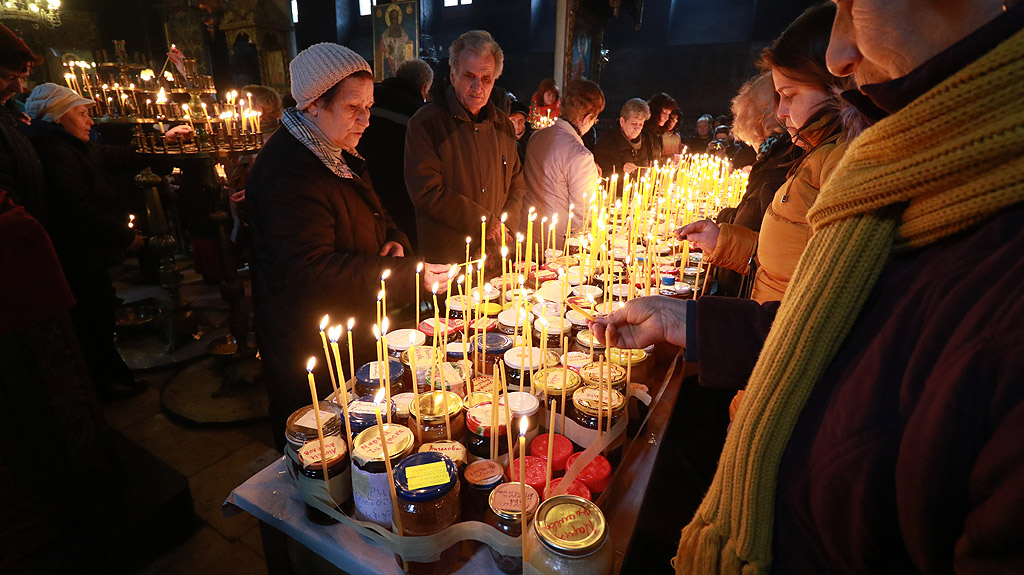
<point>385,275</point>
<point>377,399</point>
<point>351,322</point>
<point>311,364</point>
<point>433,288</point>
<point>419,267</point>
<point>524,425</point>
<point>384,326</point>
<point>323,322</point>
<point>334,334</point>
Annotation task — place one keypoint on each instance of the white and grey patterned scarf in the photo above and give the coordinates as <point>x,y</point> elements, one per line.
<point>304,131</point>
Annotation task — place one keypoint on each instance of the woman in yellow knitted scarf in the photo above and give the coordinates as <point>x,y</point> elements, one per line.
<point>951,161</point>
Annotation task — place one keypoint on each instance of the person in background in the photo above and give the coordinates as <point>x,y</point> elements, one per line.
<point>267,101</point>
<point>519,114</point>
<point>757,124</point>
<point>698,142</point>
<point>395,100</point>
<point>671,142</point>
<point>461,162</point>
<point>662,105</point>
<point>547,100</point>
<point>560,170</point>
<point>21,174</point>
<point>624,149</point>
<point>86,223</point>
<point>320,237</point>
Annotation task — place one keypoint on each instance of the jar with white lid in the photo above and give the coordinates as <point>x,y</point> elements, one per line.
<point>522,406</point>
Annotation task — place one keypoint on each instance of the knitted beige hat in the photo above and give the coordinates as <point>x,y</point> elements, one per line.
<point>319,67</point>
<point>49,102</point>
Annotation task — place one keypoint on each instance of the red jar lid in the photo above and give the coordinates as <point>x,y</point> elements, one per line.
<point>536,472</point>
<point>541,276</point>
<point>595,475</point>
<point>575,488</point>
<point>518,267</point>
<point>454,326</point>
<point>560,452</point>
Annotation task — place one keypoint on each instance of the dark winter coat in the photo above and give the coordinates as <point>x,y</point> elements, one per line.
<point>383,146</point>
<point>21,174</point>
<point>612,151</point>
<point>85,220</point>
<point>315,240</point>
<point>458,170</point>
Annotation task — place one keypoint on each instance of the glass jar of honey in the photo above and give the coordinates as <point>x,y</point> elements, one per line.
<point>551,381</point>
<point>587,342</point>
<point>427,485</point>
<point>361,414</point>
<point>370,489</point>
<point>400,340</point>
<point>519,364</point>
<point>423,362</point>
<point>568,536</point>
<point>478,480</point>
<point>591,406</point>
<point>488,352</point>
<point>368,378</point>
<point>480,426</point>
<point>451,449</point>
<point>557,326</point>
<point>309,474</point>
<point>637,360</point>
<point>592,375</point>
<point>505,513</point>
<point>522,405</point>
<point>427,419</point>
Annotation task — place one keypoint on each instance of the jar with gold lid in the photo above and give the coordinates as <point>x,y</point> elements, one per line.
<point>370,490</point>
<point>551,381</point>
<point>309,475</point>
<point>637,360</point>
<point>427,418</point>
<point>427,486</point>
<point>587,341</point>
<point>568,536</point>
<point>451,449</point>
<point>592,375</point>
<point>589,407</point>
<point>505,513</point>
<point>300,426</point>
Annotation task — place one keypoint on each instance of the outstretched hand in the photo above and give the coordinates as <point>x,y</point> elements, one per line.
<point>642,322</point>
<point>702,234</point>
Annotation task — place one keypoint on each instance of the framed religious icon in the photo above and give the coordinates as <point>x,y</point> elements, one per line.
<point>395,37</point>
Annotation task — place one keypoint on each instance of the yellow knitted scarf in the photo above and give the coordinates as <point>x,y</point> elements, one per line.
<point>949,160</point>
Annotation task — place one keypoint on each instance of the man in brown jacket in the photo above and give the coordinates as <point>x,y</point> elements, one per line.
<point>460,156</point>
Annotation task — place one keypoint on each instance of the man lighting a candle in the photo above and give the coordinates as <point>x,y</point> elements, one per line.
<point>881,427</point>
<point>461,162</point>
<point>321,239</point>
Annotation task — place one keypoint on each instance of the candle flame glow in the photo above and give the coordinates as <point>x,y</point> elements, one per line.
<point>384,326</point>
<point>433,288</point>
<point>504,216</point>
<point>385,275</point>
<point>334,333</point>
<point>351,322</point>
<point>311,364</point>
<point>524,425</point>
<point>379,397</point>
<point>419,267</point>
<point>323,322</point>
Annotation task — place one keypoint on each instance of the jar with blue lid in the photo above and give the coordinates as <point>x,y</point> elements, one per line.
<point>427,485</point>
<point>361,414</point>
<point>368,378</point>
<point>493,348</point>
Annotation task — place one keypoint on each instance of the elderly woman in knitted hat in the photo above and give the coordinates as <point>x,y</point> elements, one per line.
<point>86,222</point>
<point>881,429</point>
<point>320,238</point>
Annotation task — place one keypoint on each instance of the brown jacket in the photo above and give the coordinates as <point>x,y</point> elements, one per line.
<point>784,229</point>
<point>458,170</point>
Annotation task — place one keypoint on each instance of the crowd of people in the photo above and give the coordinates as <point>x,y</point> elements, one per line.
<point>866,280</point>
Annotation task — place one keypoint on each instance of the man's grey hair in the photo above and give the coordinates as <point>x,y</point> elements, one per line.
<point>706,118</point>
<point>416,71</point>
<point>635,108</point>
<point>479,42</point>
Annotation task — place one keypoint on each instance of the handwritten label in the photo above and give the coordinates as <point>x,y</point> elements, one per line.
<point>372,496</point>
<point>482,414</point>
<point>593,397</point>
<point>309,455</point>
<point>364,408</point>
<point>570,523</point>
<point>371,449</point>
<point>453,449</point>
<point>509,497</point>
<point>427,475</point>
<point>309,419</point>
<point>576,358</point>
<point>422,357</point>
<point>484,472</point>
<point>612,372</point>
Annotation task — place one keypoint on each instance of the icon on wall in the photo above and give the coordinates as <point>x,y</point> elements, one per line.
<point>395,37</point>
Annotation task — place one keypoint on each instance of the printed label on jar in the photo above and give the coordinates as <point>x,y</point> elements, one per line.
<point>372,496</point>
<point>309,419</point>
<point>310,453</point>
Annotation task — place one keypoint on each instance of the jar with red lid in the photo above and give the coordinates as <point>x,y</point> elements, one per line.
<point>447,329</point>
<point>505,513</point>
<point>577,488</point>
<point>480,427</point>
<point>596,475</point>
<point>536,472</point>
<point>427,486</point>
<point>560,451</point>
